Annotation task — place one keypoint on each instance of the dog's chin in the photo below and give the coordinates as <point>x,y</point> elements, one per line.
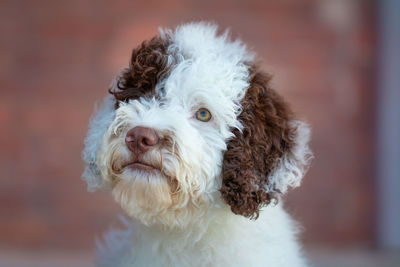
<point>156,193</point>
<point>143,192</point>
<point>144,176</point>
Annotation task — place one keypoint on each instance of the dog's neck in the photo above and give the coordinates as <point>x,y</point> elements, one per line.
<point>219,224</point>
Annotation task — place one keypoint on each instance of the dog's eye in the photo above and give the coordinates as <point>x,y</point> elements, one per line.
<point>203,115</point>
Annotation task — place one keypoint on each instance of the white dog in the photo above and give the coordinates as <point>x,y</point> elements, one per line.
<point>197,149</point>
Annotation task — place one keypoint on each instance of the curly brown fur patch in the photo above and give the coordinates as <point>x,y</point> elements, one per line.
<point>253,153</point>
<point>148,66</point>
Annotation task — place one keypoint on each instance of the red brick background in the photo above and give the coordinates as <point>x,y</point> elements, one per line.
<point>58,57</point>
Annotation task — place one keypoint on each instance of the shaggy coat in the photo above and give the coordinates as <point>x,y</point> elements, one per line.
<point>198,149</point>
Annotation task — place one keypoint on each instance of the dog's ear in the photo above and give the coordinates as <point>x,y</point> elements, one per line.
<point>268,155</point>
<point>97,128</point>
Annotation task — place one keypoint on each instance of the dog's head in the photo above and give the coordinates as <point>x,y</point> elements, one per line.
<point>190,126</point>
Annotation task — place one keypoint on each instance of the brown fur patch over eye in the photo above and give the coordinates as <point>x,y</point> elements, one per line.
<point>148,65</point>
<point>254,153</point>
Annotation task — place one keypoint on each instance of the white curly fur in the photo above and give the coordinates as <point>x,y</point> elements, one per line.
<point>292,167</point>
<point>177,215</point>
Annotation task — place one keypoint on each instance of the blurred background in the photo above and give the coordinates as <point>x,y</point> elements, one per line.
<point>336,61</point>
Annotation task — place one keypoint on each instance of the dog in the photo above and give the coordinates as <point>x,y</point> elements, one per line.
<point>198,149</point>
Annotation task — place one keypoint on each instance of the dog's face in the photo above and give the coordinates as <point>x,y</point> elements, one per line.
<point>192,126</point>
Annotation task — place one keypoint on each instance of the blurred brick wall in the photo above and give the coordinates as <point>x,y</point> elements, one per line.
<point>58,57</point>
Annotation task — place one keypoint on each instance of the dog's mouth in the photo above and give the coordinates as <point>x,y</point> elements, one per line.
<point>140,166</point>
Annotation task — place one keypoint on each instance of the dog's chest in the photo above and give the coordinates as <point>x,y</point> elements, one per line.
<point>265,242</point>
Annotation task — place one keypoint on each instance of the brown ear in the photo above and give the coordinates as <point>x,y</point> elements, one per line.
<point>265,157</point>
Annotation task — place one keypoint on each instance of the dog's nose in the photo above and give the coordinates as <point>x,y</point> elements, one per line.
<point>141,139</point>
